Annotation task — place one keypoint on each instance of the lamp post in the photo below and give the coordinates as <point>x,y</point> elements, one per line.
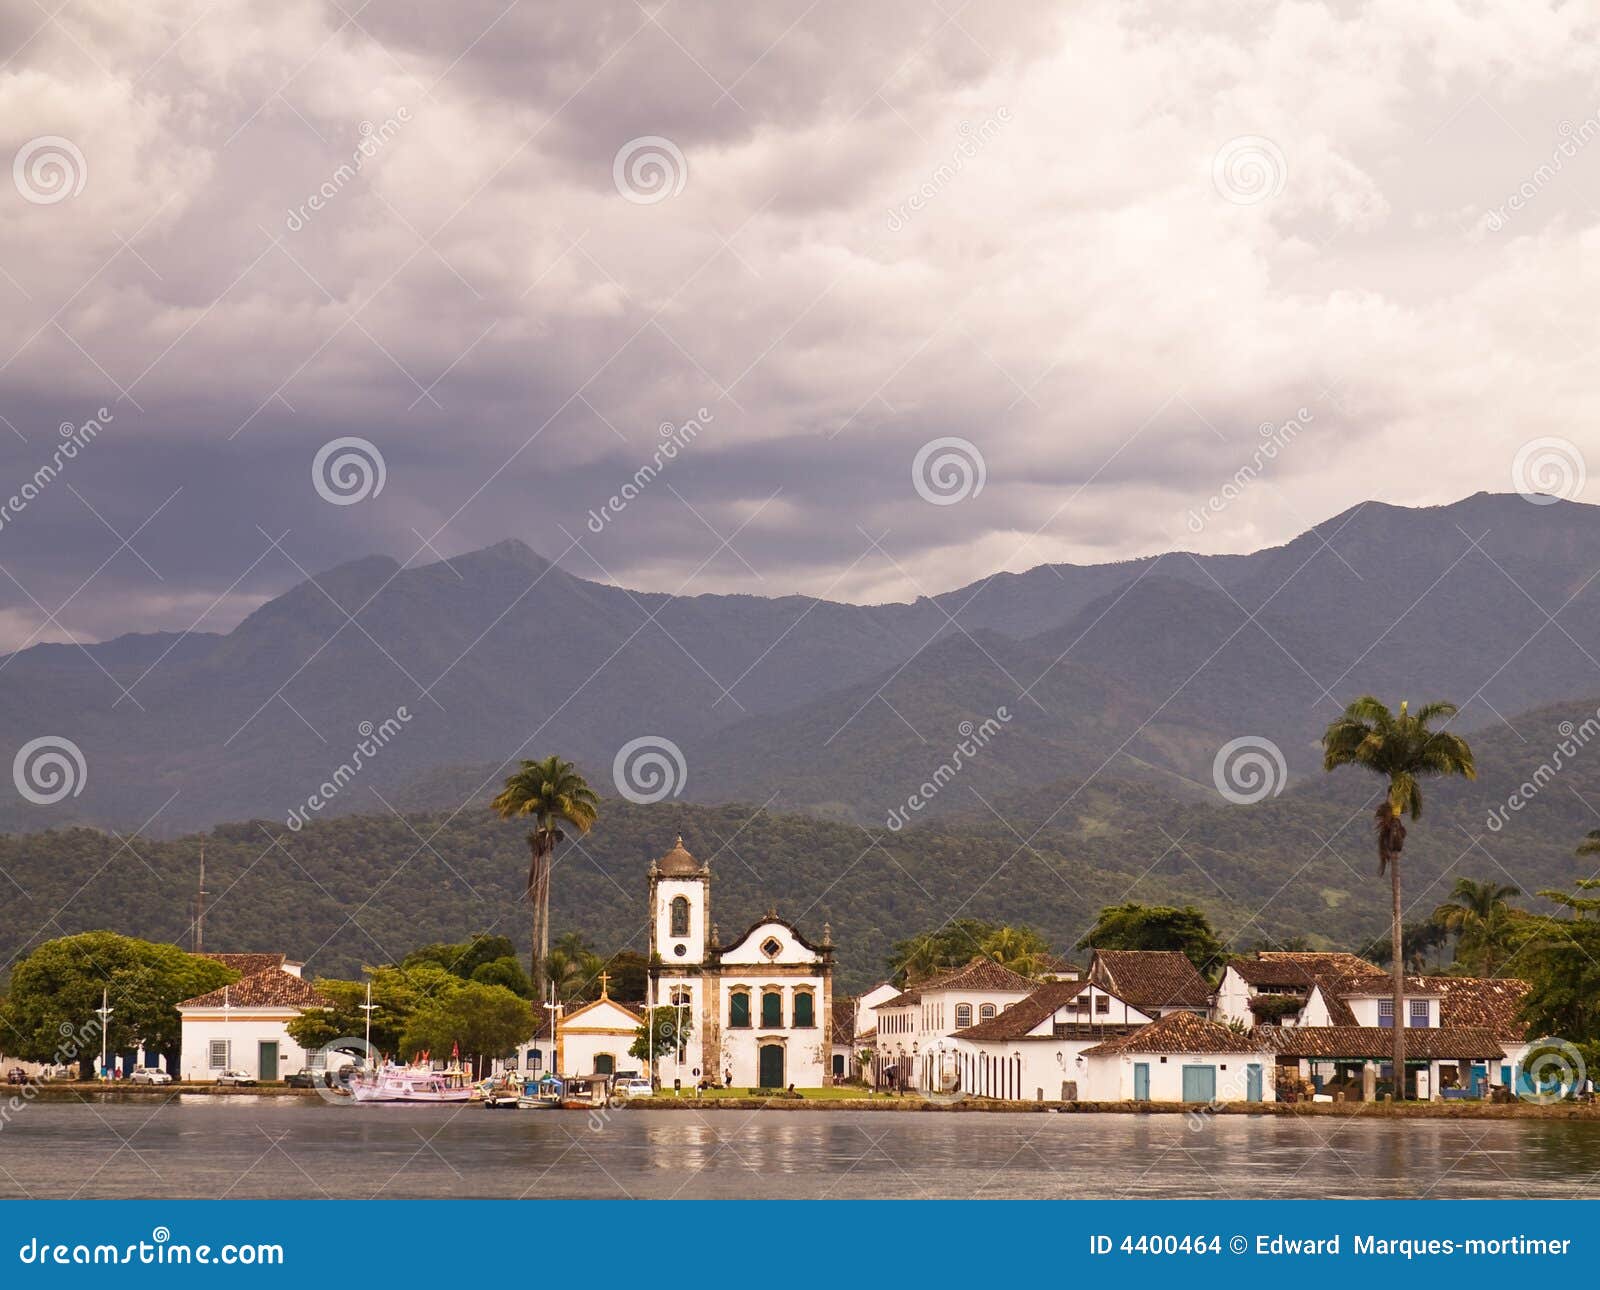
<point>367,1008</point>
<point>104,1012</point>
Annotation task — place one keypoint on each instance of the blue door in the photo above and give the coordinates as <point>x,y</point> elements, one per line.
<point>1141,1081</point>
<point>1199,1083</point>
<point>1252,1092</point>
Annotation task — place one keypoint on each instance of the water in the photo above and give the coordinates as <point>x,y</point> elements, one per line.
<point>244,1147</point>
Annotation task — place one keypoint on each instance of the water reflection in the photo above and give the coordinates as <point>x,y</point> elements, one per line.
<point>204,1146</point>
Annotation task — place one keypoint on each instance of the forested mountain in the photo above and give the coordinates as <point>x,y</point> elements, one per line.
<point>368,888</point>
<point>1138,669</point>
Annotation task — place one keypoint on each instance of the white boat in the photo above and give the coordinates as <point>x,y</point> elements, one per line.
<point>412,1084</point>
<point>541,1095</point>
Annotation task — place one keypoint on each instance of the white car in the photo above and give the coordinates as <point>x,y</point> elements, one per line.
<point>149,1075</point>
<point>631,1088</point>
<point>236,1078</point>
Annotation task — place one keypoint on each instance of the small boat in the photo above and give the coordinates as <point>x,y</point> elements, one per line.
<point>585,1092</point>
<point>412,1084</point>
<point>541,1095</point>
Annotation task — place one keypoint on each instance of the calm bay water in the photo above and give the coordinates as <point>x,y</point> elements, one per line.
<point>243,1147</point>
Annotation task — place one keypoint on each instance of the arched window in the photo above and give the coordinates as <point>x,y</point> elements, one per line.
<point>986,1012</point>
<point>605,1064</point>
<point>804,1008</point>
<point>963,1015</point>
<point>680,916</point>
<point>772,1007</point>
<point>682,999</point>
<point>739,1010</point>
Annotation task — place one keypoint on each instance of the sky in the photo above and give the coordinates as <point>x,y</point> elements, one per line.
<point>858,301</point>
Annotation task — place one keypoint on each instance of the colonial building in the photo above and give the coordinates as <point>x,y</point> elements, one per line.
<point>595,1039</point>
<point>758,1010</point>
<point>913,1048</point>
<point>243,1026</point>
<point>1155,981</point>
<point>1181,1058</point>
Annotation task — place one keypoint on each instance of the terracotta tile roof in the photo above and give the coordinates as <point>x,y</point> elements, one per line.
<point>273,988</point>
<point>1150,978</point>
<point>247,964</point>
<point>844,1020</point>
<point>1489,1003</point>
<point>1320,962</point>
<point>1180,1032</point>
<point>1377,1042</point>
<point>1267,974</point>
<point>1023,1016</point>
<point>902,1000</point>
<point>1367,985</point>
<point>977,974</point>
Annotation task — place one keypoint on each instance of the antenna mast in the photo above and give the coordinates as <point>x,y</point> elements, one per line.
<point>200,903</point>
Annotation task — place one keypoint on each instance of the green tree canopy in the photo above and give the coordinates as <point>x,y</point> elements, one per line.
<point>660,1035</point>
<point>481,1020</point>
<point>1134,926</point>
<point>56,990</point>
<point>489,959</point>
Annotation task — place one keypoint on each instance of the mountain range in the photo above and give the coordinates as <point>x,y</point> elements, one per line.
<point>1133,671</point>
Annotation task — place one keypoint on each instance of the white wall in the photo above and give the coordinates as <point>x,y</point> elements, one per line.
<point>244,1028</point>
<point>1111,1076</point>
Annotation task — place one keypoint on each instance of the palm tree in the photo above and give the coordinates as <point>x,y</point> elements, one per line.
<point>1479,914</point>
<point>553,794</point>
<point>1401,748</point>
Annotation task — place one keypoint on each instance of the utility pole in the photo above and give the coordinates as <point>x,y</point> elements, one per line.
<point>200,904</point>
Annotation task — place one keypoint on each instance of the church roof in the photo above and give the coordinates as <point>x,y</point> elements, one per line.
<point>678,863</point>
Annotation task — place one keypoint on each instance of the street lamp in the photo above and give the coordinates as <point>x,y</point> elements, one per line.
<point>367,1008</point>
<point>104,1012</point>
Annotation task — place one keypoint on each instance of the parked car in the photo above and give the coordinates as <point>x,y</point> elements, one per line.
<point>305,1077</point>
<point>16,1075</point>
<point>236,1078</point>
<point>149,1075</point>
<point>631,1088</point>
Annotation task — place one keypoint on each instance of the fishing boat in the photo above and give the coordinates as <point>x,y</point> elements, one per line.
<point>585,1092</point>
<point>412,1084</point>
<point>542,1094</point>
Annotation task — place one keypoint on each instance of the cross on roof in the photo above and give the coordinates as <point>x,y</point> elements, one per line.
<point>605,977</point>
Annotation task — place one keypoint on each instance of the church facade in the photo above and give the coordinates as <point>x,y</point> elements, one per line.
<point>756,1011</point>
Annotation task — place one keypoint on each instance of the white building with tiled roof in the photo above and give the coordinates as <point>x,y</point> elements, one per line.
<point>914,1049</point>
<point>243,1026</point>
<point>1180,1058</point>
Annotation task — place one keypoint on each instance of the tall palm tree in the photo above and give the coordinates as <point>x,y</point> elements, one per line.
<point>1479,913</point>
<point>1402,748</point>
<point>553,794</point>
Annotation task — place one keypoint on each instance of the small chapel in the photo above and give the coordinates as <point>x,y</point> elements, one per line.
<point>756,1009</point>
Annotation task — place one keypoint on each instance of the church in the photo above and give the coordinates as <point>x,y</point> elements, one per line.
<point>756,1010</point>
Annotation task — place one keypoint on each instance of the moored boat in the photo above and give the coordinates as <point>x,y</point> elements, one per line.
<point>541,1095</point>
<point>419,1084</point>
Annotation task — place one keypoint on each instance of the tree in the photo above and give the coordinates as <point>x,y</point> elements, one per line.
<point>552,794</point>
<point>950,946</point>
<point>490,959</point>
<point>1134,926</point>
<point>1021,949</point>
<point>397,992</point>
<point>476,1019</point>
<point>1403,749</point>
<point>1560,958</point>
<point>1418,940</point>
<point>660,1035</point>
<point>1481,917</point>
<point>56,993</point>
<point>573,969</point>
